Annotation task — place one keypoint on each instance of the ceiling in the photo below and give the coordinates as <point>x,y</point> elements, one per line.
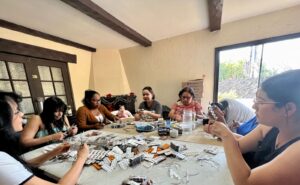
<point>154,19</point>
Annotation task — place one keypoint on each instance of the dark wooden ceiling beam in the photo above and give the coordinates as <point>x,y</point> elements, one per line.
<point>96,12</point>
<point>215,14</point>
<point>18,48</point>
<point>23,29</point>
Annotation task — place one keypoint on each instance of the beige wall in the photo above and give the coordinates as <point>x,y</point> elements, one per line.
<point>108,73</point>
<point>169,62</point>
<point>165,64</point>
<point>79,73</point>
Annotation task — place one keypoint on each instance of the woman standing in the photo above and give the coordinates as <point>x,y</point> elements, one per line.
<point>149,108</point>
<point>186,102</point>
<point>93,115</point>
<point>13,169</point>
<point>51,125</point>
<point>274,143</point>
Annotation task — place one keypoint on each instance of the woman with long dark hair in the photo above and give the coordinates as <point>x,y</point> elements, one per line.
<point>50,126</point>
<point>274,144</point>
<point>13,169</point>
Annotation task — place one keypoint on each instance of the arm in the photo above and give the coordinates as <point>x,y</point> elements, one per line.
<point>47,156</point>
<point>152,114</point>
<point>283,169</point>
<point>71,177</point>
<point>173,115</point>
<point>32,127</point>
<point>107,114</point>
<point>72,130</point>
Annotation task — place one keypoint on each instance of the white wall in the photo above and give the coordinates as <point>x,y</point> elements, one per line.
<point>168,62</point>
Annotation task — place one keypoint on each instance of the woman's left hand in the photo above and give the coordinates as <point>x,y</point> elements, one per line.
<point>73,130</point>
<point>62,148</point>
<point>218,129</point>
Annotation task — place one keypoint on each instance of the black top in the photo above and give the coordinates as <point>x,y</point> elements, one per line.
<point>266,150</point>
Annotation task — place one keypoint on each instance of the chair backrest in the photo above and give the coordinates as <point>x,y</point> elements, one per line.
<point>165,112</point>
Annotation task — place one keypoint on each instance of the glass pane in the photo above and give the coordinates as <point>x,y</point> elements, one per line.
<point>279,57</point>
<point>26,106</point>
<point>5,86</point>
<point>48,88</point>
<point>3,71</point>
<point>17,71</point>
<point>239,73</point>
<point>59,88</point>
<point>64,99</point>
<point>56,73</point>
<point>21,87</point>
<point>44,73</point>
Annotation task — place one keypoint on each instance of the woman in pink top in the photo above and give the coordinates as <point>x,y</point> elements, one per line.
<point>186,102</point>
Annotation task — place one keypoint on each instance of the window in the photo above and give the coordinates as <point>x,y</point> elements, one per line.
<point>35,73</point>
<point>241,68</point>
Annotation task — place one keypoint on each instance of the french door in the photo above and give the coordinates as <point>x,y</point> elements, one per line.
<point>35,79</point>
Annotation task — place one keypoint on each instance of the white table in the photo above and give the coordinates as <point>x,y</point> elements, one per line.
<point>211,172</point>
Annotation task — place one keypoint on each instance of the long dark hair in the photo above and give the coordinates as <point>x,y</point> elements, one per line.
<point>88,95</point>
<point>283,88</point>
<point>9,138</point>
<point>51,105</point>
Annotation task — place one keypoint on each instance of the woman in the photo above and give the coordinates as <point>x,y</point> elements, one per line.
<point>93,115</point>
<point>186,102</point>
<point>150,108</point>
<point>13,169</point>
<point>50,126</point>
<point>274,142</point>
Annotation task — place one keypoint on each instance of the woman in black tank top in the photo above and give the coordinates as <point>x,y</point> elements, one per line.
<point>271,150</point>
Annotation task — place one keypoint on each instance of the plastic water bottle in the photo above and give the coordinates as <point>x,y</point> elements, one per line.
<point>187,122</point>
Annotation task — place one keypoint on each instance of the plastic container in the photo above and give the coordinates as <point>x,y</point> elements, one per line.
<point>187,128</point>
<point>187,115</point>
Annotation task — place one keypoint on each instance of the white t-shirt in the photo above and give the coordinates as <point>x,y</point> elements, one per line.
<point>12,172</point>
<point>238,112</point>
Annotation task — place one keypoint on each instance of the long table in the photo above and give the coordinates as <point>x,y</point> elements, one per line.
<point>197,168</point>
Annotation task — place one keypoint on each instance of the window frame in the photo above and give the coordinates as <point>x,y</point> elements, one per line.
<point>239,45</point>
<point>11,51</point>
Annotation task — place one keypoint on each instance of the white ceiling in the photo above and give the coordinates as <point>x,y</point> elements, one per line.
<point>154,19</point>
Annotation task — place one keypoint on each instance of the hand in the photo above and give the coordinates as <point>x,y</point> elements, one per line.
<point>218,129</point>
<point>83,152</point>
<point>73,130</point>
<point>146,112</point>
<point>58,136</point>
<point>234,125</point>
<point>62,148</point>
<point>219,113</point>
<point>99,126</point>
<point>178,118</point>
<point>116,118</point>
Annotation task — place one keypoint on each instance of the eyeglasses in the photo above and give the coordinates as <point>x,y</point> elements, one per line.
<point>186,97</point>
<point>255,101</point>
<point>18,112</point>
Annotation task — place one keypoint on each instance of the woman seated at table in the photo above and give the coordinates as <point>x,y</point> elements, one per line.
<point>149,109</point>
<point>13,169</point>
<point>186,102</point>
<point>51,125</point>
<point>93,115</point>
<point>275,142</point>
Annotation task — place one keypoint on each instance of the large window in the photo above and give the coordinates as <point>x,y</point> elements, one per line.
<point>241,68</point>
